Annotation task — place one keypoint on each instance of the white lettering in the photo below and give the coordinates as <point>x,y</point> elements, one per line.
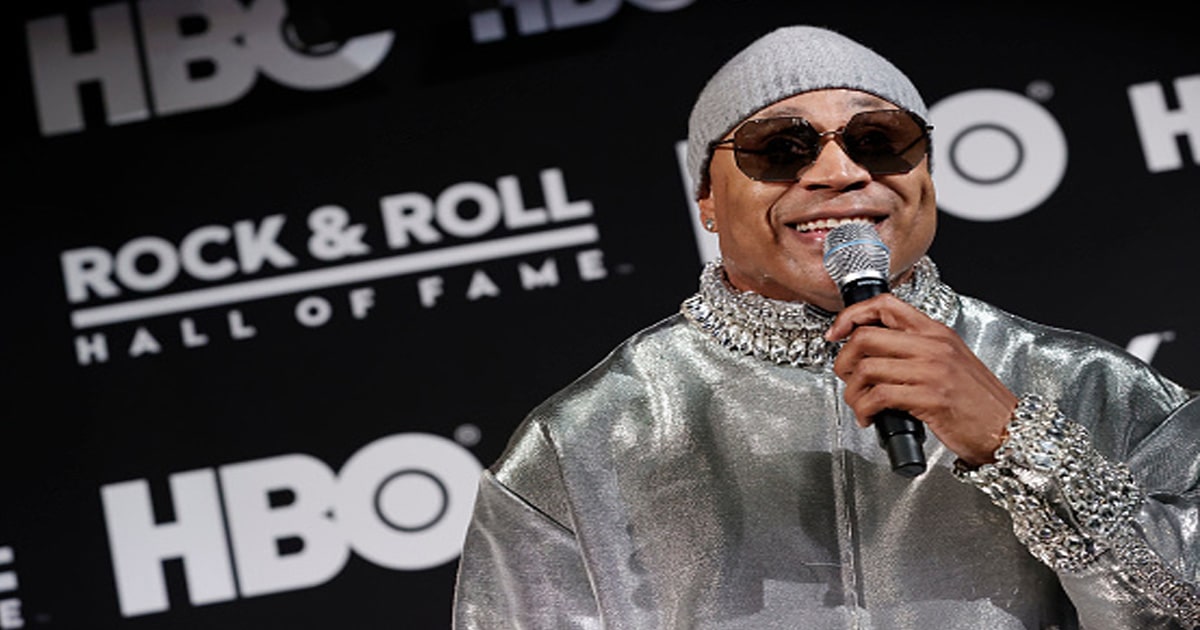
<point>410,216</point>
<point>58,72</point>
<point>353,60</point>
<point>143,343</point>
<point>487,214</point>
<point>481,286</point>
<point>10,608</point>
<point>10,614</point>
<point>591,264</point>
<point>94,348</point>
<point>257,247</point>
<point>237,326</point>
<point>561,208</point>
<point>531,16</point>
<point>89,349</point>
<point>191,338</point>
<point>361,301</point>
<point>430,289</point>
<point>205,67</point>
<point>407,500</point>
<point>256,527</point>
<point>532,278</point>
<point>139,545</point>
<point>313,311</point>
<point>1000,154</point>
<point>572,13</point>
<point>402,502</point>
<point>8,579</point>
<point>1159,126</point>
<point>88,268</point>
<point>191,258</point>
<point>161,252</point>
<point>197,70</point>
<point>516,216</point>
<point>332,235</point>
<point>408,213</point>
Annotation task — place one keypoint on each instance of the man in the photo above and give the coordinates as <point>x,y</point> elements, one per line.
<point>713,472</point>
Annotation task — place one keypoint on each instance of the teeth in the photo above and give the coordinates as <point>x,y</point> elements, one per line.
<point>828,224</point>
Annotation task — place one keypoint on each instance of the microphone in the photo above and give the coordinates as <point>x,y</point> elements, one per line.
<point>858,262</point>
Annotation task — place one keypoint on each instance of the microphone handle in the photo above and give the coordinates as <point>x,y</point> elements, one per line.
<point>899,433</point>
<point>901,436</point>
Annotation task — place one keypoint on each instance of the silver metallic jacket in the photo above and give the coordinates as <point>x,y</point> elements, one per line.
<point>708,474</point>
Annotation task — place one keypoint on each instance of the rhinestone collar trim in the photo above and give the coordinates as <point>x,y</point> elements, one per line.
<point>792,333</point>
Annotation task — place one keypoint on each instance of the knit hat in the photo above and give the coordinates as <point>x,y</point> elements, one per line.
<point>780,64</point>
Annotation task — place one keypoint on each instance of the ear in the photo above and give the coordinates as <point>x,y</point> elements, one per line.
<point>707,210</point>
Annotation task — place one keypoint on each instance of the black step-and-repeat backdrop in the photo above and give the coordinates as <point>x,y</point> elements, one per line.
<point>281,277</point>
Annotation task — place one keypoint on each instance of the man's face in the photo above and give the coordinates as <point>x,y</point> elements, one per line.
<point>771,233</point>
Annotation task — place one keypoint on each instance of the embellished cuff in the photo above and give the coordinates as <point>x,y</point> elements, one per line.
<point>1070,505</point>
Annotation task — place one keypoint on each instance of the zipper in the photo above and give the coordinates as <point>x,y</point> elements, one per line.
<point>846,519</point>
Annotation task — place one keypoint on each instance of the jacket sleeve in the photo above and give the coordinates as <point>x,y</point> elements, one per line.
<point>1122,536</point>
<point>520,569</point>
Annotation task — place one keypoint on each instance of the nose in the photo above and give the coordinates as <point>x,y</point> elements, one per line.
<point>833,169</point>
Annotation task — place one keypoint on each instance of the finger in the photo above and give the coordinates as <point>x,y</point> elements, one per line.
<point>964,407</point>
<point>879,370</point>
<point>873,341</point>
<point>930,381</point>
<point>870,401</point>
<point>883,310</point>
<point>860,392</point>
<point>876,371</point>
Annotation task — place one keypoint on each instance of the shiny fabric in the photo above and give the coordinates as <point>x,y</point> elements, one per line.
<point>682,485</point>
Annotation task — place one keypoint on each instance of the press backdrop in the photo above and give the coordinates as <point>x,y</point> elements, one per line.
<point>281,277</point>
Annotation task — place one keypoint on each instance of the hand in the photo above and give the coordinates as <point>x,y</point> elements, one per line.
<point>896,357</point>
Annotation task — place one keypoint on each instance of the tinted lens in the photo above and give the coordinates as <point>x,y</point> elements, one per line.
<point>775,149</point>
<point>885,142</point>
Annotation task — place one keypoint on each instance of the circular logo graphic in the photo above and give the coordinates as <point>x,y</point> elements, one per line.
<point>406,500</point>
<point>411,500</point>
<point>996,154</point>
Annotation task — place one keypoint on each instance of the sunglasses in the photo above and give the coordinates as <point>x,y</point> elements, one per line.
<point>885,142</point>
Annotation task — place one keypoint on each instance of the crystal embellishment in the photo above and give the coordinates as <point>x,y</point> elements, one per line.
<point>1070,506</point>
<point>793,333</point>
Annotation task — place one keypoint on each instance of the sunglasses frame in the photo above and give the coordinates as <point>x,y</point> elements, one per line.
<point>838,137</point>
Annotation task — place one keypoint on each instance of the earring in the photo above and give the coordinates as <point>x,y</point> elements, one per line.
<point>710,225</point>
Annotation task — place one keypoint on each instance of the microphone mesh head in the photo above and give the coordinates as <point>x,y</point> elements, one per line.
<point>853,251</point>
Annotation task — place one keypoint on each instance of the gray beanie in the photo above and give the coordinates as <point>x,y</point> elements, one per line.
<point>780,64</point>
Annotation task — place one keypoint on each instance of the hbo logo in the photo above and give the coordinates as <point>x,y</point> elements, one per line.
<point>180,56</point>
<point>996,154</point>
<point>402,502</point>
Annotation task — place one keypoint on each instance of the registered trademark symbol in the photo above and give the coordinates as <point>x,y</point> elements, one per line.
<point>467,435</point>
<point>1040,91</point>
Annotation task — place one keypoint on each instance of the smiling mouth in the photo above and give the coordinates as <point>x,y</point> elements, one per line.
<point>829,224</point>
